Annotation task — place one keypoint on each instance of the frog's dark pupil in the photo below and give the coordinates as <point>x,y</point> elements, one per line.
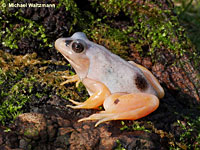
<point>77,47</point>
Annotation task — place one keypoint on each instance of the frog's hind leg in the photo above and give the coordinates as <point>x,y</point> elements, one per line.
<point>126,107</point>
<point>100,92</point>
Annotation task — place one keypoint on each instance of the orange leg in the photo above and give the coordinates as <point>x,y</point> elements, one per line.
<point>126,107</point>
<point>100,92</point>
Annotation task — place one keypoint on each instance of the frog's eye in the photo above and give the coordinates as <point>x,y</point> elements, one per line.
<point>78,46</point>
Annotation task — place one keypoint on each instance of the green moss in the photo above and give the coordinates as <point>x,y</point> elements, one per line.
<point>112,38</point>
<point>188,14</point>
<point>136,126</point>
<point>31,132</point>
<point>19,27</point>
<point>71,6</point>
<point>119,146</point>
<point>150,25</point>
<point>13,97</point>
<point>80,19</point>
<point>15,32</point>
<point>24,79</point>
<point>187,136</point>
<point>3,4</point>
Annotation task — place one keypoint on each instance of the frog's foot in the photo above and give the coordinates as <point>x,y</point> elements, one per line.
<point>71,79</point>
<point>126,107</point>
<point>93,102</point>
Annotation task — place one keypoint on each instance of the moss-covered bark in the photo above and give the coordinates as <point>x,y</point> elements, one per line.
<point>144,31</point>
<point>124,27</point>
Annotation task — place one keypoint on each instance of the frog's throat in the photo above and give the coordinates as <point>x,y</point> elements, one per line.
<point>80,69</point>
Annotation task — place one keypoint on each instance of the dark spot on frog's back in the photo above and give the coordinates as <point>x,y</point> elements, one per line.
<point>116,101</point>
<point>140,82</point>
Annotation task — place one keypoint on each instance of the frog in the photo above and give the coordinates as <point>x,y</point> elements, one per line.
<point>127,90</point>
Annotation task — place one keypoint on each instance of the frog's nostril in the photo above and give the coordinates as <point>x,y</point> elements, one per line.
<point>67,42</point>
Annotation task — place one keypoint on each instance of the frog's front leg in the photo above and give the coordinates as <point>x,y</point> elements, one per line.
<point>70,79</point>
<point>125,107</point>
<point>99,93</point>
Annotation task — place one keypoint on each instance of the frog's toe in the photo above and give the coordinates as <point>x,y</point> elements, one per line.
<point>74,102</point>
<point>105,116</point>
<point>102,117</point>
<point>71,79</point>
<point>94,117</point>
<point>79,105</point>
<point>102,121</point>
<point>75,107</point>
<point>77,83</point>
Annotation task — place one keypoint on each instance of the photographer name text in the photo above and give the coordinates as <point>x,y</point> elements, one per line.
<point>31,5</point>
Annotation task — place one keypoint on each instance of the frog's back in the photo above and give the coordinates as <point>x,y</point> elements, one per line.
<point>116,73</point>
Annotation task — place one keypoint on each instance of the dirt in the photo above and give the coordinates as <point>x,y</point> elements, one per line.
<point>56,127</point>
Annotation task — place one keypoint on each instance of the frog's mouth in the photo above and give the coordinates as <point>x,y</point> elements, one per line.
<point>61,47</point>
<point>70,60</point>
